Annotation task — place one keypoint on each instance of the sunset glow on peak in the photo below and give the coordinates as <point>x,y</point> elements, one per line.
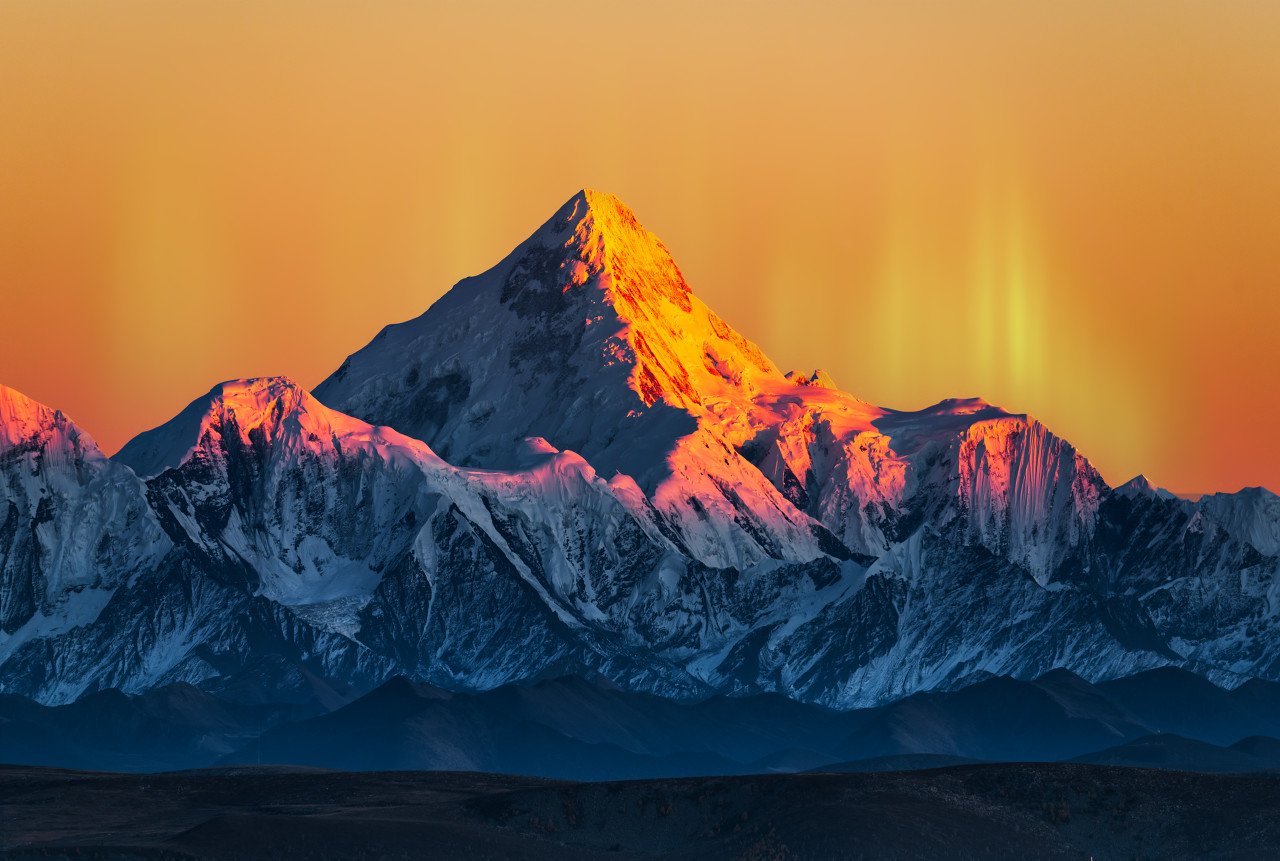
<point>213,191</point>
<point>20,417</point>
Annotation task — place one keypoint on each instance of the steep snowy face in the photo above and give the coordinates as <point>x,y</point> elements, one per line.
<point>73,525</point>
<point>576,336</point>
<point>1252,515</point>
<point>362,532</point>
<point>27,425</point>
<point>874,476</point>
<point>1027,492</point>
<point>314,501</point>
<point>1021,491</point>
<point>358,532</point>
<point>315,545</point>
<point>587,336</point>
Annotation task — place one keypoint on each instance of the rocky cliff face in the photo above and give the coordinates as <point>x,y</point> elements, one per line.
<point>569,464</point>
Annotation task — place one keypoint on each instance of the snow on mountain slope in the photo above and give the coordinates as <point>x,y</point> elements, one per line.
<point>591,473</point>
<point>73,525</point>
<point>573,337</point>
<point>1024,492</point>
<point>317,501</point>
<point>271,412</point>
<point>1139,485</point>
<point>873,475</point>
<point>587,335</point>
<point>359,531</point>
<point>1252,514</point>
<point>324,546</point>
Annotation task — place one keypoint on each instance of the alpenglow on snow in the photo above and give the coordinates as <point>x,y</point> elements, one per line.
<point>569,465</point>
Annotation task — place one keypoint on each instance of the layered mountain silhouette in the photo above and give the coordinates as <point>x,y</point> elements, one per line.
<point>586,729</point>
<point>579,729</point>
<point>569,466</point>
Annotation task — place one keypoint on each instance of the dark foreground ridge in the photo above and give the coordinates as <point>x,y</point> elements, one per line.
<point>972,811</point>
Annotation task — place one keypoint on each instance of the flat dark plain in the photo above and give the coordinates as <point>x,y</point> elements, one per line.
<point>1019,810</point>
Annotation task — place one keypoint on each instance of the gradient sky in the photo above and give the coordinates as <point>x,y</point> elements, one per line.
<point>1070,209</point>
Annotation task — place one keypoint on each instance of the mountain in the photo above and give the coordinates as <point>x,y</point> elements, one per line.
<point>524,730</point>
<point>1170,751</point>
<point>586,729</point>
<point>75,529</point>
<point>74,526</point>
<point>167,728</point>
<point>1252,513</point>
<point>1001,718</point>
<point>185,608</point>
<point>567,728</point>
<point>375,556</point>
<point>587,335</point>
<point>570,466</point>
<point>1177,702</point>
<point>1141,486</point>
<point>573,727</point>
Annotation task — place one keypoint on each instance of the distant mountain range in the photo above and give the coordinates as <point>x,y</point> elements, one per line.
<point>570,468</point>
<point>579,729</point>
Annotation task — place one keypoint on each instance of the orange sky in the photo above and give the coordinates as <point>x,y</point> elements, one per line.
<point>1067,208</point>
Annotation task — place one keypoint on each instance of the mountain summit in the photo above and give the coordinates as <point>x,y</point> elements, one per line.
<point>74,526</point>
<point>266,412</point>
<point>584,328</point>
<point>587,336</point>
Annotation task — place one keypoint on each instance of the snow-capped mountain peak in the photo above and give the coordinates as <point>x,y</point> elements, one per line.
<point>21,417</point>
<point>24,421</point>
<point>73,525</point>
<point>586,326</point>
<point>256,412</point>
<point>1141,486</point>
<point>682,351</point>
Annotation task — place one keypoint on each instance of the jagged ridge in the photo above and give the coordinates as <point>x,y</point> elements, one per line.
<point>591,472</point>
